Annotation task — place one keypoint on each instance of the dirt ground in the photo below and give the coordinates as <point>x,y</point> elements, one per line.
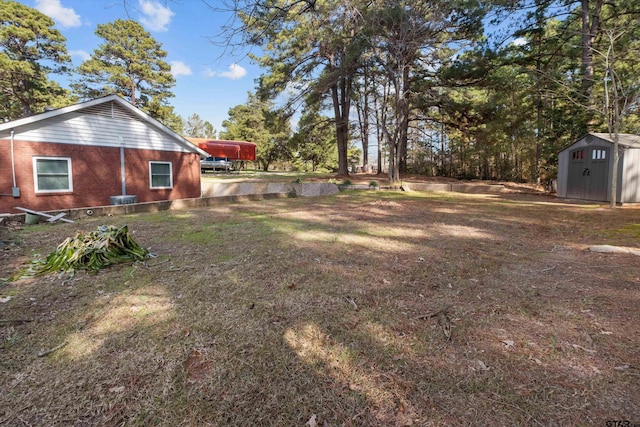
<point>361,309</point>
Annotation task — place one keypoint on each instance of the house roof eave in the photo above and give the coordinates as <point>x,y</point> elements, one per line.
<point>109,98</point>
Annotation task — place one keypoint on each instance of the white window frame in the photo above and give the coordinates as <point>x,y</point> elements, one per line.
<point>35,174</point>
<point>155,162</point>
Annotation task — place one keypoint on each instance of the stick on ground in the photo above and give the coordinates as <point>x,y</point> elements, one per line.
<point>56,348</point>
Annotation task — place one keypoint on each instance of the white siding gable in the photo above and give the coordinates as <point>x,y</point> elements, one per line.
<point>107,124</point>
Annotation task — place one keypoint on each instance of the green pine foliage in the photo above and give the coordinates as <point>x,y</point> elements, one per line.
<point>260,122</point>
<point>130,63</point>
<point>315,142</point>
<point>196,127</point>
<point>30,50</point>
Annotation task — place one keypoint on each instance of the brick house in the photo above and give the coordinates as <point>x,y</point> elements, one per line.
<point>91,154</point>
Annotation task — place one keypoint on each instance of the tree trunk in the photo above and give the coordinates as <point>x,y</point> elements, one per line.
<point>443,153</point>
<point>590,27</point>
<point>364,131</point>
<point>133,92</point>
<point>393,171</point>
<point>380,119</point>
<point>340,95</point>
<point>24,102</point>
<point>539,74</point>
<point>403,122</point>
<point>398,142</point>
<point>364,123</point>
<point>614,175</point>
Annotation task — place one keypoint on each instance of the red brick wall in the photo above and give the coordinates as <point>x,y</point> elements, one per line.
<point>6,181</point>
<point>96,175</point>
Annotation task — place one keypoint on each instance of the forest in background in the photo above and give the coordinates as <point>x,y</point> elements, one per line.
<point>465,88</point>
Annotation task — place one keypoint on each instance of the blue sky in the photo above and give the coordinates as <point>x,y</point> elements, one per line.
<point>209,80</point>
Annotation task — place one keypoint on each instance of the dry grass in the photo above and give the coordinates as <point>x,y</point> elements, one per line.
<point>267,313</point>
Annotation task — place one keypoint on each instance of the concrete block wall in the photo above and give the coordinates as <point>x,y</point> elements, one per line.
<point>220,189</point>
<point>458,188</point>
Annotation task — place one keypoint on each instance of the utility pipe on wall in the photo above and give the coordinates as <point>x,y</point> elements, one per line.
<point>122,170</point>
<point>15,190</point>
<point>13,162</point>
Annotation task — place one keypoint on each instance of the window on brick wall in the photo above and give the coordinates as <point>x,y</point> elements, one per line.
<point>160,175</point>
<point>52,174</point>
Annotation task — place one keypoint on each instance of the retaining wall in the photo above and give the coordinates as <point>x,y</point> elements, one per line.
<point>219,189</point>
<point>457,188</point>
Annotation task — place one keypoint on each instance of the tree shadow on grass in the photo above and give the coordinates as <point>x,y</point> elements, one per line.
<point>315,310</point>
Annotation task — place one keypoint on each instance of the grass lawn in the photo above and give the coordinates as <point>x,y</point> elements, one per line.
<point>360,309</point>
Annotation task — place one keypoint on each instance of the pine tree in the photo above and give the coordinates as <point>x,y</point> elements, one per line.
<point>256,121</point>
<point>30,49</point>
<point>197,128</point>
<point>129,63</point>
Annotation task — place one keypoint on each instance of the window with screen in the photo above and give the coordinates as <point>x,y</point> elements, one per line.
<point>160,175</point>
<point>52,174</point>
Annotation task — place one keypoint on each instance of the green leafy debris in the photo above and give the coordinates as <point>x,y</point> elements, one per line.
<point>92,251</point>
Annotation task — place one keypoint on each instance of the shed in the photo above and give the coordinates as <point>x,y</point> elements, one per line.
<point>96,153</point>
<point>232,150</point>
<point>585,168</point>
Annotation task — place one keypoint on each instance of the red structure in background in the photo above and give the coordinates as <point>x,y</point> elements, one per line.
<point>232,150</point>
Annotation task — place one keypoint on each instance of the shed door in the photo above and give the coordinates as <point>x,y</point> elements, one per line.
<point>588,173</point>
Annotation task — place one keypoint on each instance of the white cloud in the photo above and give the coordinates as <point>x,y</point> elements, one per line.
<point>179,68</point>
<point>295,89</point>
<point>520,41</point>
<point>66,17</point>
<point>82,54</point>
<point>156,17</point>
<point>235,72</point>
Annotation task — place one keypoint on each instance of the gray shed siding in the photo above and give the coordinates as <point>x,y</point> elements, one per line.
<point>630,175</point>
<point>563,164</point>
<point>572,182</point>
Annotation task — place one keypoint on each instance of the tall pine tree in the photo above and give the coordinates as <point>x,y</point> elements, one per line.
<point>129,63</point>
<point>30,49</point>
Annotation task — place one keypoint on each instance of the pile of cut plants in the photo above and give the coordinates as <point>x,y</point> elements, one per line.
<point>91,252</point>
